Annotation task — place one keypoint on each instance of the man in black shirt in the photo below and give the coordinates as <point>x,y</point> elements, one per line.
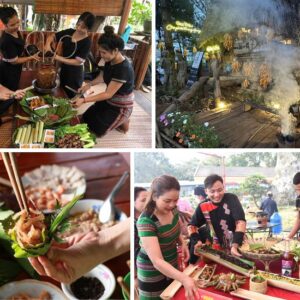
<point>296,227</point>
<point>224,215</point>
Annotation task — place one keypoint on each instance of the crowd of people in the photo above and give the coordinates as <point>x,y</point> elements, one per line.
<point>111,109</point>
<point>218,220</point>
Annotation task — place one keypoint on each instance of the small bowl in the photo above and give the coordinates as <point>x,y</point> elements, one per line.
<point>32,288</point>
<point>94,204</point>
<point>103,274</point>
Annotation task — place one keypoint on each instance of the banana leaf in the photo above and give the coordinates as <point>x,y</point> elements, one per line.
<point>60,111</point>
<point>55,223</point>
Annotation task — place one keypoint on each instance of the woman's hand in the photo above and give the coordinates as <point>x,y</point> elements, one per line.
<point>77,102</point>
<point>191,290</point>
<point>19,94</point>
<point>6,95</point>
<point>185,252</point>
<point>82,252</point>
<point>67,262</point>
<point>84,88</point>
<point>35,57</point>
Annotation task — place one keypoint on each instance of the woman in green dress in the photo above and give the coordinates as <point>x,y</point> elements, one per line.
<point>159,232</point>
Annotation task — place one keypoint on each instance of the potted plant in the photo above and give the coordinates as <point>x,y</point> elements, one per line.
<point>258,284</point>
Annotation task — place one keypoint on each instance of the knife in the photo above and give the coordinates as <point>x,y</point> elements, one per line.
<point>78,95</point>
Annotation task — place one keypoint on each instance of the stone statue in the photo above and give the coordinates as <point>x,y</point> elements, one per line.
<point>182,72</point>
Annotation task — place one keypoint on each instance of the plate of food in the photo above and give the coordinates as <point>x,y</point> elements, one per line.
<point>48,109</point>
<point>77,136</point>
<point>49,184</point>
<point>30,289</point>
<point>84,218</point>
<point>98,284</point>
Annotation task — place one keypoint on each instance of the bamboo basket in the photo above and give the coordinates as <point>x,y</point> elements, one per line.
<point>259,287</point>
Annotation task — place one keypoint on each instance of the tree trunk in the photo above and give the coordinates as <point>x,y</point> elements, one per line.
<point>166,19</point>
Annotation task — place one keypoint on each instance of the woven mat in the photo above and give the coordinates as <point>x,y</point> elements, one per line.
<point>138,136</point>
<point>6,131</point>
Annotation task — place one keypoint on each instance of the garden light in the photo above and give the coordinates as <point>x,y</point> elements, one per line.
<point>222,104</point>
<point>214,48</point>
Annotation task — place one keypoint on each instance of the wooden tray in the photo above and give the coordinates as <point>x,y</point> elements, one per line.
<point>245,294</point>
<point>173,288</point>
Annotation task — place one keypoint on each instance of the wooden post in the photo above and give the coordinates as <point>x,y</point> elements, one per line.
<point>125,15</point>
<point>142,68</point>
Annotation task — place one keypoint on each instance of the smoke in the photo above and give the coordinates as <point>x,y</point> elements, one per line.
<point>270,19</point>
<point>284,59</point>
<point>227,15</point>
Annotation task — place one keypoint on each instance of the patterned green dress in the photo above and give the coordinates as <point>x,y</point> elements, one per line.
<point>150,281</point>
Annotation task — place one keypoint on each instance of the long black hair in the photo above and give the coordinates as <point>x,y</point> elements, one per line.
<point>110,41</point>
<point>88,19</point>
<point>6,13</point>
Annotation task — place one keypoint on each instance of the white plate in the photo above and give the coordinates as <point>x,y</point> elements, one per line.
<point>101,272</point>
<point>72,179</point>
<point>32,288</point>
<point>94,204</point>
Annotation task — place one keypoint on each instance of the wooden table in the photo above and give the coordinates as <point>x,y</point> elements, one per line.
<point>253,226</point>
<point>102,170</point>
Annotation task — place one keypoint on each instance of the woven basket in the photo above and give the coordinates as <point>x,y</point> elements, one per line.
<point>259,287</point>
<point>260,256</point>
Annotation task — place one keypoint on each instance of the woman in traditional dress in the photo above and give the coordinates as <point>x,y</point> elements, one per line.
<point>11,48</point>
<point>113,107</point>
<point>159,232</point>
<point>76,46</point>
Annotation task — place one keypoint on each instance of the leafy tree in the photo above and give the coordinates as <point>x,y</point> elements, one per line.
<point>150,165</point>
<point>255,186</point>
<point>140,11</point>
<point>252,159</point>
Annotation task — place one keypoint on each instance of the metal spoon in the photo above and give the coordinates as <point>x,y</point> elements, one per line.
<point>108,211</point>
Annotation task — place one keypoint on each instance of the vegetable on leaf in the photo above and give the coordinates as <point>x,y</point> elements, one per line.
<point>60,111</point>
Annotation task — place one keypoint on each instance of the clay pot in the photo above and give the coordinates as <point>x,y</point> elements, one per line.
<point>46,76</point>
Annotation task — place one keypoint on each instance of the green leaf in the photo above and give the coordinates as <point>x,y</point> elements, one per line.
<point>31,252</point>
<point>58,239</point>
<point>62,215</point>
